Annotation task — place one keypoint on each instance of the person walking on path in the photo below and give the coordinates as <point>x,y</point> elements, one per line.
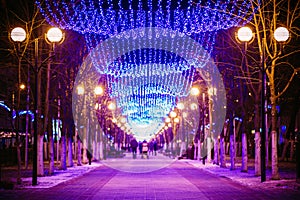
<point>134,144</point>
<point>140,147</point>
<point>89,156</point>
<point>151,147</point>
<point>155,147</point>
<point>145,148</point>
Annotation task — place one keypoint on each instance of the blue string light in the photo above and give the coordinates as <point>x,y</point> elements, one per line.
<point>5,106</point>
<point>88,16</point>
<point>146,81</point>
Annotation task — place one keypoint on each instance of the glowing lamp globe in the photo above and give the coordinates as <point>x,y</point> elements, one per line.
<point>111,106</point>
<point>180,106</point>
<point>80,90</point>
<point>98,90</point>
<point>167,120</point>
<point>22,86</point>
<point>123,120</point>
<point>18,34</point>
<point>195,91</point>
<point>176,120</point>
<point>54,35</point>
<point>173,114</point>
<point>281,34</point>
<point>245,34</point>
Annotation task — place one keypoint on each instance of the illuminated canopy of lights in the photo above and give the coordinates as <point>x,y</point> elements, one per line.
<point>145,75</point>
<point>109,17</point>
<point>149,63</point>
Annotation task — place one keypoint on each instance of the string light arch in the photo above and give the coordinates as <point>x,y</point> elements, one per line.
<point>147,59</point>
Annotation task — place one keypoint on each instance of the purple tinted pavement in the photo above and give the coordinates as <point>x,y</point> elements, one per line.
<point>180,180</point>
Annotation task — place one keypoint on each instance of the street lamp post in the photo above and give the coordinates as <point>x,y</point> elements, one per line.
<point>54,35</point>
<point>196,92</point>
<point>98,141</point>
<point>80,91</point>
<point>18,35</point>
<point>245,35</point>
<point>174,122</point>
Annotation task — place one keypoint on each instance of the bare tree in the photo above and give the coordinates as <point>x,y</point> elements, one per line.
<point>269,16</point>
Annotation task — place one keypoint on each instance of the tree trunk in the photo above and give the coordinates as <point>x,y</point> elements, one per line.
<point>102,144</point>
<point>209,137</point>
<point>195,150</point>
<point>257,166</point>
<point>208,149</point>
<point>182,147</point>
<point>257,154</point>
<point>19,180</point>
<point>275,173</point>
<point>63,151</point>
<point>232,152</point>
<point>45,148</point>
<point>27,116</point>
<point>244,153</point>
<point>51,148</point>
<point>292,150</point>
<point>216,151</point>
<point>94,149</point>
<point>285,147</point>
<point>101,155</point>
<point>97,154</point>
<point>236,132</point>
<point>199,150</point>
<point>40,133</point>
<point>70,152</point>
<point>40,168</point>
<point>222,152</point>
<point>70,144</point>
<point>85,139</point>
<point>46,109</point>
<point>78,152</point>
<point>84,153</point>
<point>63,155</point>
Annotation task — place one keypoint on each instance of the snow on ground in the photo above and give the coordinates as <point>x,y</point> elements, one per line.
<point>288,180</point>
<point>59,176</point>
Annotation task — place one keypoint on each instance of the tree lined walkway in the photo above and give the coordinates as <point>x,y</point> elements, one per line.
<point>180,180</point>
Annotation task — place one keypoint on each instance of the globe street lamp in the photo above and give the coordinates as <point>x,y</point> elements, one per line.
<point>98,90</point>
<point>245,35</point>
<point>281,34</point>
<point>18,34</point>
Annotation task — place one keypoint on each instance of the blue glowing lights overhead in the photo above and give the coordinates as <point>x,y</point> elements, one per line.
<point>110,17</point>
<point>149,49</point>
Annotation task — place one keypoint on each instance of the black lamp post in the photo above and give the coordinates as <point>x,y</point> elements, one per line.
<point>245,35</point>
<point>54,35</point>
<point>18,35</point>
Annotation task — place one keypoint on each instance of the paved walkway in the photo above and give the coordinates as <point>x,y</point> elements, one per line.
<point>178,180</point>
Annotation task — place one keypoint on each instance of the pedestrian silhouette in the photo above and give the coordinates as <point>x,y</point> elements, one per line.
<point>134,144</point>
<point>89,156</point>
